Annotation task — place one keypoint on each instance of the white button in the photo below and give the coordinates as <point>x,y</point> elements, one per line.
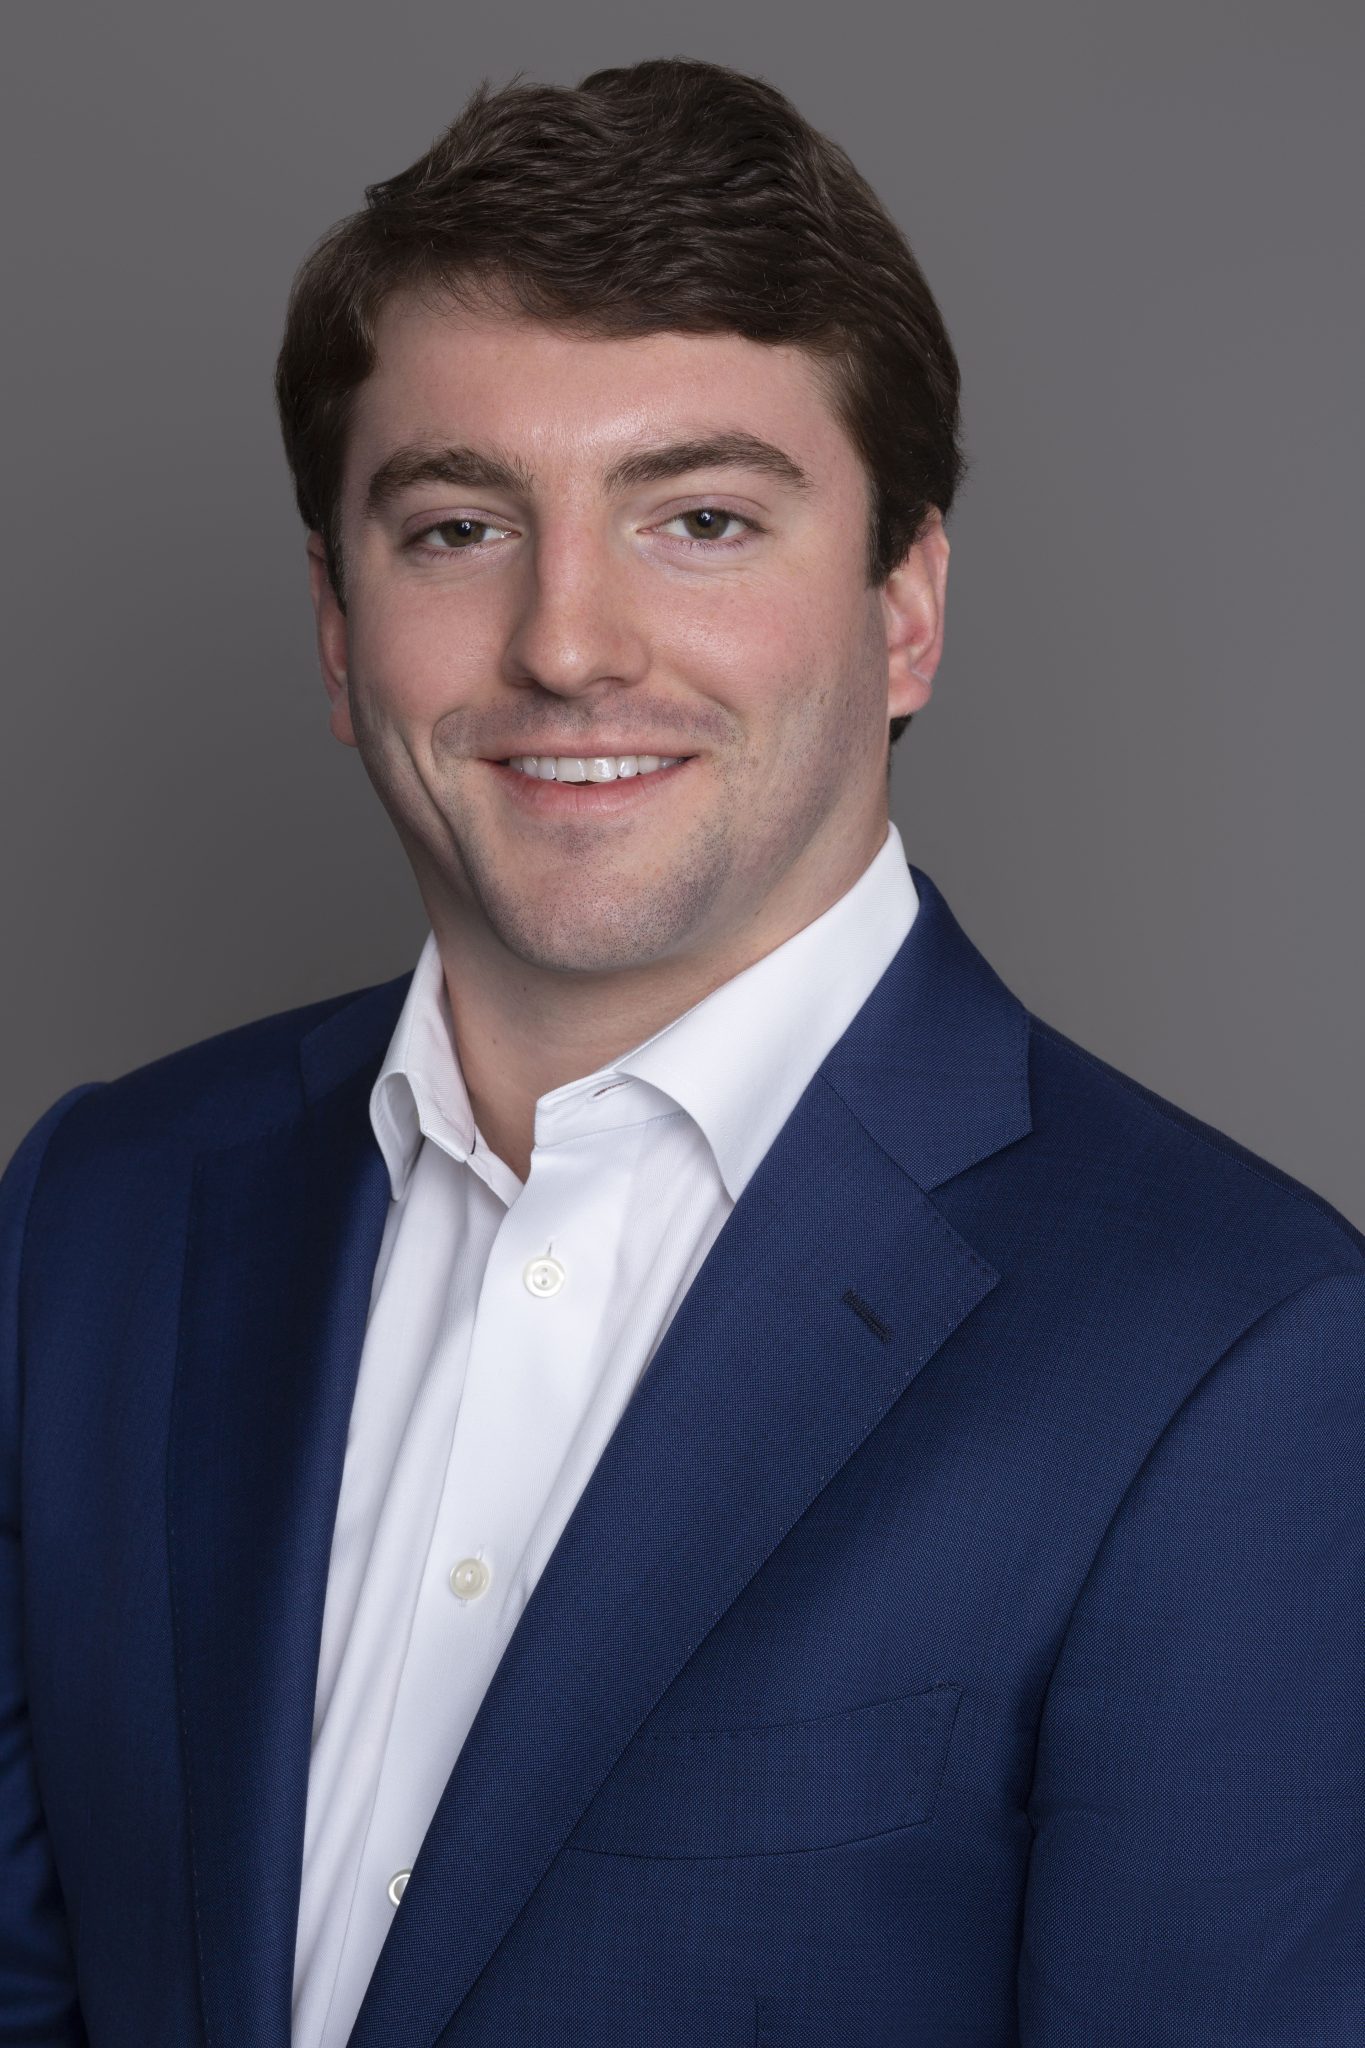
<point>398,1884</point>
<point>469,1578</point>
<point>544,1276</point>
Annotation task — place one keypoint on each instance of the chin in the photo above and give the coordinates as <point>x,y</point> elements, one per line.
<point>586,951</point>
<point>589,932</point>
<point>601,925</point>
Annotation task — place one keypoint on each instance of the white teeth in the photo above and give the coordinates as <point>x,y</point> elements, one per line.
<point>601,768</point>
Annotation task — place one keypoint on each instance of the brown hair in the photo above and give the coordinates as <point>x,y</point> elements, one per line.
<point>672,194</point>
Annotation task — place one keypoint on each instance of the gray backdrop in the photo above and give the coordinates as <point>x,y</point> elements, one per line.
<point>1139,782</point>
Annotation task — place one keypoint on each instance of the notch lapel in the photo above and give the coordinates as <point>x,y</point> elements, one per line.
<point>769,1378</point>
<point>284,1233</point>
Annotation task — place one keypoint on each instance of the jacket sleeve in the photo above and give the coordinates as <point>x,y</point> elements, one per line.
<point>1197,1876</point>
<point>38,2003</point>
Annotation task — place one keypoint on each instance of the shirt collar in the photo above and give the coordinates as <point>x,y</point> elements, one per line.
<point>420,1089</point>
<point>737,1062</point>
<point>740,1060</point>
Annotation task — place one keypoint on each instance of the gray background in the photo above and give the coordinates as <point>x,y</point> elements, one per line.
<point>1139,782</point>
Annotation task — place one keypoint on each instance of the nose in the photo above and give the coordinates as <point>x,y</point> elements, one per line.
<point>576,624</point>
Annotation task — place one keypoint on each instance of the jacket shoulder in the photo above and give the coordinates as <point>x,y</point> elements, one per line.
<point>234,1085</point>
<point>1172,1177</point>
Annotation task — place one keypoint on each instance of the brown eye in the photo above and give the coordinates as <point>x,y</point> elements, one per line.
<point>456,533</point>
<point>709,523</point>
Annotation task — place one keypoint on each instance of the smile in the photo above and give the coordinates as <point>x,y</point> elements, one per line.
<point>595,768</point>
<point>597,787</point>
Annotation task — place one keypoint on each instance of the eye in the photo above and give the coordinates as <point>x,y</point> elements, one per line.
<point>457,536</point>
<point>707,524</point>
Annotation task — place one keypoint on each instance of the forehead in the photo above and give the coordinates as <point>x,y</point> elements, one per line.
<point>563,401</point>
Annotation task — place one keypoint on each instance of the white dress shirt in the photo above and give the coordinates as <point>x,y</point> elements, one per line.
<point>509,1324</point>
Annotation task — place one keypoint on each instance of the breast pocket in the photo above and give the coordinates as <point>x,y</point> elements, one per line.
<point>766,1791</point>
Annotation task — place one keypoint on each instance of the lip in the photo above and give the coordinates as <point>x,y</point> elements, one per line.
<point>584,799</point>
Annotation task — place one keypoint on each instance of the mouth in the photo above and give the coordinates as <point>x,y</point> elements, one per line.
<point>593,794</point>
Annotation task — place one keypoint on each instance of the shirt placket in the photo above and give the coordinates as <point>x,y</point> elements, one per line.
<point>534,1362</point>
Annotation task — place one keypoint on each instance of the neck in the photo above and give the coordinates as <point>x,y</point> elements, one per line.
<point>522,1030</point>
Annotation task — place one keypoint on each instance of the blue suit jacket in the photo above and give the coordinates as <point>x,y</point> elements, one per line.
<point>958,1644</point>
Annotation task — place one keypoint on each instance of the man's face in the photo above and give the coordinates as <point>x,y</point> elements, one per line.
<point>541,558</point>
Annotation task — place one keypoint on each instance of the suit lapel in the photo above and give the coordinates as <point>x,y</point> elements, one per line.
<point>832,1284</point>
<point>284,1234</point>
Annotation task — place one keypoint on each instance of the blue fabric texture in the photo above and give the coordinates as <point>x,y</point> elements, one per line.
<point>960,1643</point>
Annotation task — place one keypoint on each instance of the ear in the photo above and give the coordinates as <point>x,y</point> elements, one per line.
<point>913,600</point>
<point>332,640</point>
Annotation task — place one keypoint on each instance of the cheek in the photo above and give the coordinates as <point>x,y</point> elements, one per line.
<point>413,661</point>
<point>745,650</point>
<point>797,668</point>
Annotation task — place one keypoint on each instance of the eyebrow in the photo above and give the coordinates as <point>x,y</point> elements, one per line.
<point>472,468</point>
<point>734,450</point>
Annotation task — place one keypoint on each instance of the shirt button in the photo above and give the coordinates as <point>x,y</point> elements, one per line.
<point>469,1578</point>
<point>398,1884</point>
<point>544,1276</point>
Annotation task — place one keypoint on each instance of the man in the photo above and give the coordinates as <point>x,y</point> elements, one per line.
<point>687,1472</point>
